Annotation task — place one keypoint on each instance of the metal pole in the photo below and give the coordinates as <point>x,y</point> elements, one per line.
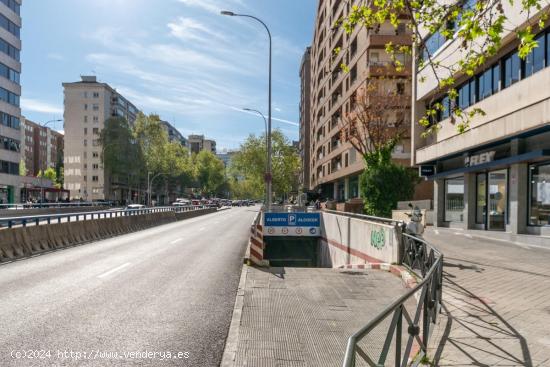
<point>269,150</point>
<point>266,144</point>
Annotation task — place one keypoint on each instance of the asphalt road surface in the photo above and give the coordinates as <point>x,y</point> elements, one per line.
<point>158,297</point>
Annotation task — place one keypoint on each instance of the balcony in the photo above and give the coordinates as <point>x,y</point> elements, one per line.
<point>380,40</point>
<point>385,68</point>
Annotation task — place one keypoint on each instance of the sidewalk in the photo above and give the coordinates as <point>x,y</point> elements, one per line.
<point>496,302</point>
<point>304,316</point>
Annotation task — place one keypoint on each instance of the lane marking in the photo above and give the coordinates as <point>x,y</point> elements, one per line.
<point>202,228</point>
<point>118,268</point>
<point>176,241</point>
<point>469,235</point>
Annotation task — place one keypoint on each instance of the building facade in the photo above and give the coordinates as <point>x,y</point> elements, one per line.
<point>88,104</point>
<point>10,92</point>
<point>496,175</point>
<point>334,165</point>
<point>198,143</point>
<point>305,95</point>
<point>174,134</point>
<point>41,147</point>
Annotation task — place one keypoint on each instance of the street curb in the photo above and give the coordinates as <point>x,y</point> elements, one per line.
<point>232,341</point>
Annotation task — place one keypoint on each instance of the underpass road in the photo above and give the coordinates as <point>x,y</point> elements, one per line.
<point>158,297</point>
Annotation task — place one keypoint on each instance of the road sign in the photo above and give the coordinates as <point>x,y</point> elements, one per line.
<point>292,224</point>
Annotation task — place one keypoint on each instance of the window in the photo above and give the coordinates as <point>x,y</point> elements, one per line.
<point>10,121</point>
<point>13,5</point>
<point>512,66</point>
<point>473,91</point>
<point>9,97</point>
<point>85,94</point>
<point>85,107</point>
<point>496,78</point>
<point>9,26</point>
<point>85,118</point>
<point>95,178</point>
<point>445,112</point>
<point>539,203</point>
<point>95,166</point>
<point>95,107</point>
<point>85,142</point>
<point>96,131</point>
<point>400,88</point>
<point>454,199</point>
<point>9,50</point>
<point>96,94</point>
<point>538,53</point>
<point>95,154</point>
<point>485,84</point>
<point>85,131</point>
<point>96,119</point>
<point>464,96</point>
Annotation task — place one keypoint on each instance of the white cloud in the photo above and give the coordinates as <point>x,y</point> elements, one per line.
<point>35,105</point>
<point>212,6</point>
<point>188,29</point>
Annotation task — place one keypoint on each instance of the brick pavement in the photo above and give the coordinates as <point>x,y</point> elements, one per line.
<point>497,302</point>
<point>303,317</point>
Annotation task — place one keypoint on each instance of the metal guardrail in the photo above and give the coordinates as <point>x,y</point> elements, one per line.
<point>77,204</point>
<point>58,218</point>
<point>427,263</point>
<point>365,217</point>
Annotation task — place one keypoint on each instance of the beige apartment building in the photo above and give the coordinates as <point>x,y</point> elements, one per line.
<point>305,119</point>
<point>10,91</point>
<point>334,165</point>
<point>199,142</point>
<point>88,104</point>
<point>496,175</point>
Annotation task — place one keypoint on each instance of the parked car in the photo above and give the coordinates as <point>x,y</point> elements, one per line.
<point>181,202</point>
<point>135,206</point>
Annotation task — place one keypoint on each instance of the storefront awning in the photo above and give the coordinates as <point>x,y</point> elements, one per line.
<point>533,156</point>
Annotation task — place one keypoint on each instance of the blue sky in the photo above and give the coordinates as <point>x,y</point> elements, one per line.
<point>177,58</point>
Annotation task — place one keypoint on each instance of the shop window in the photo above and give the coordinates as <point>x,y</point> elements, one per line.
<point>481,199</point>
<point>539,206</point>
<point>454,199</point>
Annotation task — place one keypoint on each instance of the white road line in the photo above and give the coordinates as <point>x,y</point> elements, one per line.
<point>113,270</point>
<point>469,235</point>
<point>176,241</point>
<point>436,231</point>
<point>202,228</point>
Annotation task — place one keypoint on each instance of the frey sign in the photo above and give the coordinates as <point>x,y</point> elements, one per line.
<point>292,224</point>
<point>481,158</point>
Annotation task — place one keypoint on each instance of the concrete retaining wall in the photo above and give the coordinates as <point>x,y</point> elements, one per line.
<point>345,240</point>
<point>23,242</point>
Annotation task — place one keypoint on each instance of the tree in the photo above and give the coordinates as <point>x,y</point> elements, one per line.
<point>250,163</point>
<point>476,26</point>
<point>22,168</point>
<point>380,118</point>
<point>120,155</point>
<point>51,175</point>
<point>209,172</point>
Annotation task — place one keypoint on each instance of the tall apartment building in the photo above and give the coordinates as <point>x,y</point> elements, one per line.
<point>335,165</point>
<point>198,143</point>
<point>305,96</point>
<point>10,91</point>
<point>88,104</point>
<point>41,147</point>
<point>496,175</point>
<point>174,134</point>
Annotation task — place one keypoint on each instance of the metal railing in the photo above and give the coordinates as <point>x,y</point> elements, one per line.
<point>405,329</point>
<point>77,204</point>
<point>58,218</point>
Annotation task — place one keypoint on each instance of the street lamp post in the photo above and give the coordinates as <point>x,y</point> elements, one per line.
<point>150,184</point>
<point>266,140</point>
<point>268,173</point>
<point>41,162</point>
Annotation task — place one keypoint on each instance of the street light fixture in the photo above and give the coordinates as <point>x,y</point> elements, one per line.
<point>150,184</point>
<point>41,162</point>
<point>268,175</point>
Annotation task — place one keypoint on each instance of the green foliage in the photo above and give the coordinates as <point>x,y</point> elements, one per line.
<point>22,168</point>
<point>384,183</point>
<point>50,174</point>
<point>477,28</point>
<point>209,172</point>
<point>250,163</point>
